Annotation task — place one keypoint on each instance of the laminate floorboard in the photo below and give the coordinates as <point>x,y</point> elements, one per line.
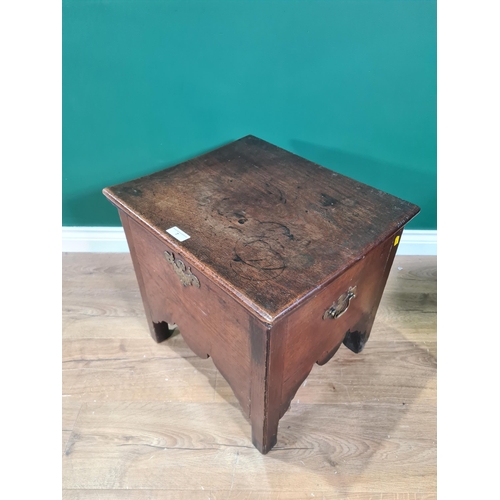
<point>148,421</point>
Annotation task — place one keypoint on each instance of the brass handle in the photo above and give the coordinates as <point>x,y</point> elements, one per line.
<point>185,275</point>
<point>341,305</point>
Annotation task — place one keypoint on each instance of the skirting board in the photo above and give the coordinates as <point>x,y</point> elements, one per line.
<point>112,239</point>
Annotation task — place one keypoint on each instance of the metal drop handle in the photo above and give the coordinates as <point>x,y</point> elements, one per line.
<point>341,305</point>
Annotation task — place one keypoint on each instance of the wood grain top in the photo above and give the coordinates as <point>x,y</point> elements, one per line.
<point>267,225</point>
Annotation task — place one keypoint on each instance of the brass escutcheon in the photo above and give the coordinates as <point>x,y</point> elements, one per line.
<point>185,275</point>
<point>341,305</point>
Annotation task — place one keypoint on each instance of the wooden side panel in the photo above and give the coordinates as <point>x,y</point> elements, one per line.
<point>312,339</point>
<point>212,323</point>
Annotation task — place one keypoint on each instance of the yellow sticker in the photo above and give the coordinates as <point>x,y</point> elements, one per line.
<point>396,241</point>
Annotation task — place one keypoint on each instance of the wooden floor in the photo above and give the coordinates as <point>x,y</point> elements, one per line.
<point>148,421</point>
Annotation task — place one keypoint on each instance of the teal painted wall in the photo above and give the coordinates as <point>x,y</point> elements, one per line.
<point>348,84</point>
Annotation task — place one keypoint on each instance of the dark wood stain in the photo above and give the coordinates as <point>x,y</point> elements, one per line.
<point>355,340</point>
<point>328,201</point>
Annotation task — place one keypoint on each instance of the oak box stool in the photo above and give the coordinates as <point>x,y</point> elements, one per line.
<point>266,261</point>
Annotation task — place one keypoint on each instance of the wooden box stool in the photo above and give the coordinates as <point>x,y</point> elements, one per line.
<point>266,261</point>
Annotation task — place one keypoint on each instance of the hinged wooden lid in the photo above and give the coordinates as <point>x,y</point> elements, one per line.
<point>268,225</point>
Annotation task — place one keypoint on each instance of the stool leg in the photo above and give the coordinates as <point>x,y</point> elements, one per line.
<point>356,340</point>
<point>264,434</point>
<point>266,408</point>
<point>158,329</point>
<point>357,336</point>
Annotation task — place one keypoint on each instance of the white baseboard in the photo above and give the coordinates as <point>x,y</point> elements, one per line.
<point>112,239</point>
<point>418,242</point>
<point>93,239</point>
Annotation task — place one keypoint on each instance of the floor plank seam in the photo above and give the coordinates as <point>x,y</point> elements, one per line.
<point>69,443</point>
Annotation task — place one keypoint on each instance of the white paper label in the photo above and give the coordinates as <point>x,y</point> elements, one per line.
<point>178,234</point>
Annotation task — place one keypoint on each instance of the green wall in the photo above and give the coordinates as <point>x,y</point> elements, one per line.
<point>348,84</point>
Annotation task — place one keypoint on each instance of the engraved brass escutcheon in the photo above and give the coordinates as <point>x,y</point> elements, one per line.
<point>185,275</point>
<point>341,305</point>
